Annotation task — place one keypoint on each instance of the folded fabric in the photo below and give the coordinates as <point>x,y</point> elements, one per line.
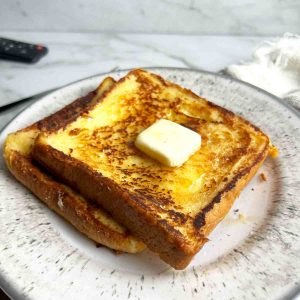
<point>275,68</point>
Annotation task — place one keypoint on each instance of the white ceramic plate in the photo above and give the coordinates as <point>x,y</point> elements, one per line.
<point>252,254</point>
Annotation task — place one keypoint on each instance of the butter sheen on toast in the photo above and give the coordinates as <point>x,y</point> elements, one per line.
<point>87,217</point>
<point>172,210</point>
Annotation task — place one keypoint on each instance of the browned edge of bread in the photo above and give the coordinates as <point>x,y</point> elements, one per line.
<point>215,212</point>
<point>130,210</point>
<point>60,198</point>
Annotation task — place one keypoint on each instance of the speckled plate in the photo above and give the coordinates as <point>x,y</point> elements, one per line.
<point>252,254</point>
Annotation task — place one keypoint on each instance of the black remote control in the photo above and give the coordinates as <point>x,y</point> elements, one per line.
<point>20,51</point>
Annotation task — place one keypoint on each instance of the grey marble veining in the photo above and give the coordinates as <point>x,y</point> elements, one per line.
<point>74,56</point>
<point>249,17</point>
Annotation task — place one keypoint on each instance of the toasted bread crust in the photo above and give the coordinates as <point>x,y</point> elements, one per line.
<point>220,206</point>
<point>58,197</point>
<point>130,214</point>
<point>68,205</point>
<point>119,203</point>
<point>75,109</point>
<point>133,212</point>
<point>202,220</point>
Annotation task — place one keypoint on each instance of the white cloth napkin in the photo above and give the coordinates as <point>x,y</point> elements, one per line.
<point>275,68</point>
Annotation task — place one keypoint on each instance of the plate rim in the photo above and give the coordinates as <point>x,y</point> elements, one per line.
<point>7,287</point>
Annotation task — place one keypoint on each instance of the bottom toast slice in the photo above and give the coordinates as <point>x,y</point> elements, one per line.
<point>87,217</point>
<point>172,210</point>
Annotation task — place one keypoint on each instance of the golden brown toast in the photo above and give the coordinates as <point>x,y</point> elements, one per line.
<point>87,217</point>
<point>172,210</point>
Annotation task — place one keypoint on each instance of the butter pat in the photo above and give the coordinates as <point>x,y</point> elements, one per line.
<point>168,142</point>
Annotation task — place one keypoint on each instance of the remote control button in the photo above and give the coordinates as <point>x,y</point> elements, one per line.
<point>39,47</point>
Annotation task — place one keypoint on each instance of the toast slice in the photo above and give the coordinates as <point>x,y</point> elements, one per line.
<point>172,210</point>
<point>87,217</point>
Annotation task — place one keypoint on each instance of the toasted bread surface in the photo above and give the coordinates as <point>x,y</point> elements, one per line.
<point>172,210</point>
<point>87,217</point>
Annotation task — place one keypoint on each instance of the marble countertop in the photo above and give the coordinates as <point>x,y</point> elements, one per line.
<point>249,17</point>
<point>73,56</point>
